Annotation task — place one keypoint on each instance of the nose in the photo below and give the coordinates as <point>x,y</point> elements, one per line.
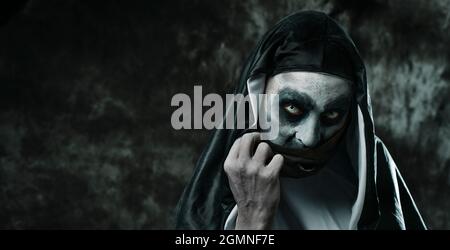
<point>309,132</point>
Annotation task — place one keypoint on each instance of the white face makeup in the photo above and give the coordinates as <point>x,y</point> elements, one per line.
<point>313,108</point>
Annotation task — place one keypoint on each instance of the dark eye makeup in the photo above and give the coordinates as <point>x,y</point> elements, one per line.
<point>332,117</point>
<point>295,106</point>
<point>292,109</point>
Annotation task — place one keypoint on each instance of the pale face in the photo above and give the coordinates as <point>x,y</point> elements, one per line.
<point>313,108</point>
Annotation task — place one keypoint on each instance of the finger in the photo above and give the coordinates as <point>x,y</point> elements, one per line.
<point>234,151</point>
<point>276,163</point>
<point>247,144</point>
<point>263,152</point>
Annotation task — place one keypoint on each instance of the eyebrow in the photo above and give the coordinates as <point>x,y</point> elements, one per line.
<point>306,101</point>
<point>340,102</point>
<point>303,99</point>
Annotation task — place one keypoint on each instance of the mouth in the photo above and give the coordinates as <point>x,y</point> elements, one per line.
<point>306,157</point>
<point>301,163</point>
<point>305,162</point>
<point>296,167</point>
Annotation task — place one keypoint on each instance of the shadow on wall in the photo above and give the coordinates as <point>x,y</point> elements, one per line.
<point>85,134</point>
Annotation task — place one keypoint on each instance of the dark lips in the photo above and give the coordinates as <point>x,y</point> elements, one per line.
<point>296,155</point>
<point>296,164</point>
<point>298,169</point>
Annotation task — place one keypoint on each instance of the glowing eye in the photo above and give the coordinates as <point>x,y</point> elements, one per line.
<point>293,110</point>
<point>332,115</point>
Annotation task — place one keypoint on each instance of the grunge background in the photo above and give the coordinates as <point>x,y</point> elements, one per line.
<point>85,134</point>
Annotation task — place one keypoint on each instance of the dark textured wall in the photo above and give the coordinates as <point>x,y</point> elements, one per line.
<point>85,135</point>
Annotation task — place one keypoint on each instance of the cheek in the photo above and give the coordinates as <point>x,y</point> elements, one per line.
<point>289,129</point>
<point>285,128</point>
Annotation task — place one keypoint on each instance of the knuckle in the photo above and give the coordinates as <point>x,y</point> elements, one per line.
<point>263,175</point>
<point>279,159</point>
<point>255,163</point>
<point>250,168</point>
<point>249,136</point>
<point>226,166</point>
<point>269,175</point>
<point>229,165</point>
<point>264,146</point>
<point>236,142</point>
<point>240,163</point>
<point>227,170</point>
<point>251,171</point>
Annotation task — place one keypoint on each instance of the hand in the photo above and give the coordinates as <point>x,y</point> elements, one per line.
<point>254,181</point>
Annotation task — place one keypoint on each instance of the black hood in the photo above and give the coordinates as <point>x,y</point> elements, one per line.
<point>304,41</point>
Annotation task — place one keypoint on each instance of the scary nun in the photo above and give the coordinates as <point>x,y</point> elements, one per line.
<point>326,168</point>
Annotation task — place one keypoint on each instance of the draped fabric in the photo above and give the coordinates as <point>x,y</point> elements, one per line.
<point>305,41</point>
